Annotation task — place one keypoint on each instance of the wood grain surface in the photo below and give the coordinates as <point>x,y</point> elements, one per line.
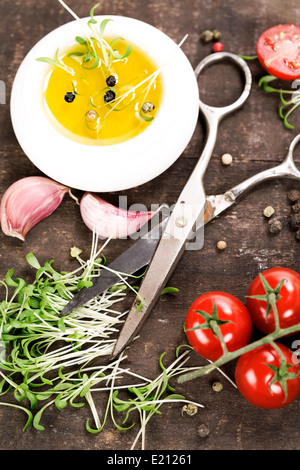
<point>257,139</point>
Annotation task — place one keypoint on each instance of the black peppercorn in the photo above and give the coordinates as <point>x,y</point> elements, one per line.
<point>295,221</point>
<point>275,225</point>
<point>203,430</point>
<point>296,208</point>
<point>111,80</point>
<point>297,236</point>
<point>109,96</point>
<point>70,97</point>
<point>293,195</point>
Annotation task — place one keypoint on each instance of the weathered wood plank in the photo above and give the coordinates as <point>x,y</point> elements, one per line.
<point>256,138</point>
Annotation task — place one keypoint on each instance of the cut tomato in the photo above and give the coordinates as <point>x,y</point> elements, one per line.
<point>278,50</point>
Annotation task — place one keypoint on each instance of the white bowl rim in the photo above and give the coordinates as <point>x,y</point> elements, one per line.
<point>115,167</point>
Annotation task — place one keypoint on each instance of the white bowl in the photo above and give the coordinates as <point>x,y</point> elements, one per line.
<point>112,167</point>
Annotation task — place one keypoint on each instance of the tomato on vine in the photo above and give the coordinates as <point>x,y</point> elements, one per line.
<point>279,285</point>
<point>215,322</point>
<point>268,377</point>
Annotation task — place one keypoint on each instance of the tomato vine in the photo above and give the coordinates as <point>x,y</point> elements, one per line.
<point>228,356</point>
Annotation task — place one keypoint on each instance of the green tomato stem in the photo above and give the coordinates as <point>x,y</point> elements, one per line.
<point>229,356</point>
<point>217,330</point>
<point>272,300</point>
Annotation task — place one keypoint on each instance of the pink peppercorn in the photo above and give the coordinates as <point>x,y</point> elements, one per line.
<point>218,47</point>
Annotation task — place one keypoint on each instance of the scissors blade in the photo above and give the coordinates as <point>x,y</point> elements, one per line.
<point>163,263</point>
<point>188,210</point>
<point>129,262</point>
<point>168,252</point>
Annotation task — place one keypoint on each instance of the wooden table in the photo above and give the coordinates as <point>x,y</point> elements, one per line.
<point>257,139</point>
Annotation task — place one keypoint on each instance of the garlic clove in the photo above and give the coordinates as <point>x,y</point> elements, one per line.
<point>108,221</point>
<point>26,202</point>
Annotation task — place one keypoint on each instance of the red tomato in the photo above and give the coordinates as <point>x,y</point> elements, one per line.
<point>236,332</point>
<point>278,50</point>
<point>288,305</point>
<point>254,376</point>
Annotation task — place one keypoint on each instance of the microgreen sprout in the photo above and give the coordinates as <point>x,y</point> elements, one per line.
<point>56,62</point>
<point>51,360</point>
<point>149,398</point>
<point>248,57</point>
<point>113,105</point>
<point>288,106</point>
<point>90,58</point>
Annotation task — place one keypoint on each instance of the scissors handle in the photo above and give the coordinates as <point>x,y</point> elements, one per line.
<point>212,114</point>
<point>190,205</point>
<point>237,60</point>
<point>286,169</point>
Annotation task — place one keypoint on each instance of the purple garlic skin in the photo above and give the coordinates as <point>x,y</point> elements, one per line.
<point>28,201</point>
<point>108,221</point>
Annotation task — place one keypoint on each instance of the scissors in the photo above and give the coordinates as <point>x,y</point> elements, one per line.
<point>192,211</point>
<point>187,212</point>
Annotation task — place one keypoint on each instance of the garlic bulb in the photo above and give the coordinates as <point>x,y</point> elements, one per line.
<point>26,202</point>
<point>109,221</point>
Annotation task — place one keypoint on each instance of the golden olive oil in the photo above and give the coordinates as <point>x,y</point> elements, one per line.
<point>87,109</point>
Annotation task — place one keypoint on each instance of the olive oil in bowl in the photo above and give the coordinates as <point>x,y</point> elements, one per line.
<point>102,92</point>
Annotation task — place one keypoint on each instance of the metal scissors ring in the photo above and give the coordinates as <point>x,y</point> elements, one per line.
<point>212,114</point>
<point>214,111</point>
<point>187,212</point>
<point>216,204</point>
